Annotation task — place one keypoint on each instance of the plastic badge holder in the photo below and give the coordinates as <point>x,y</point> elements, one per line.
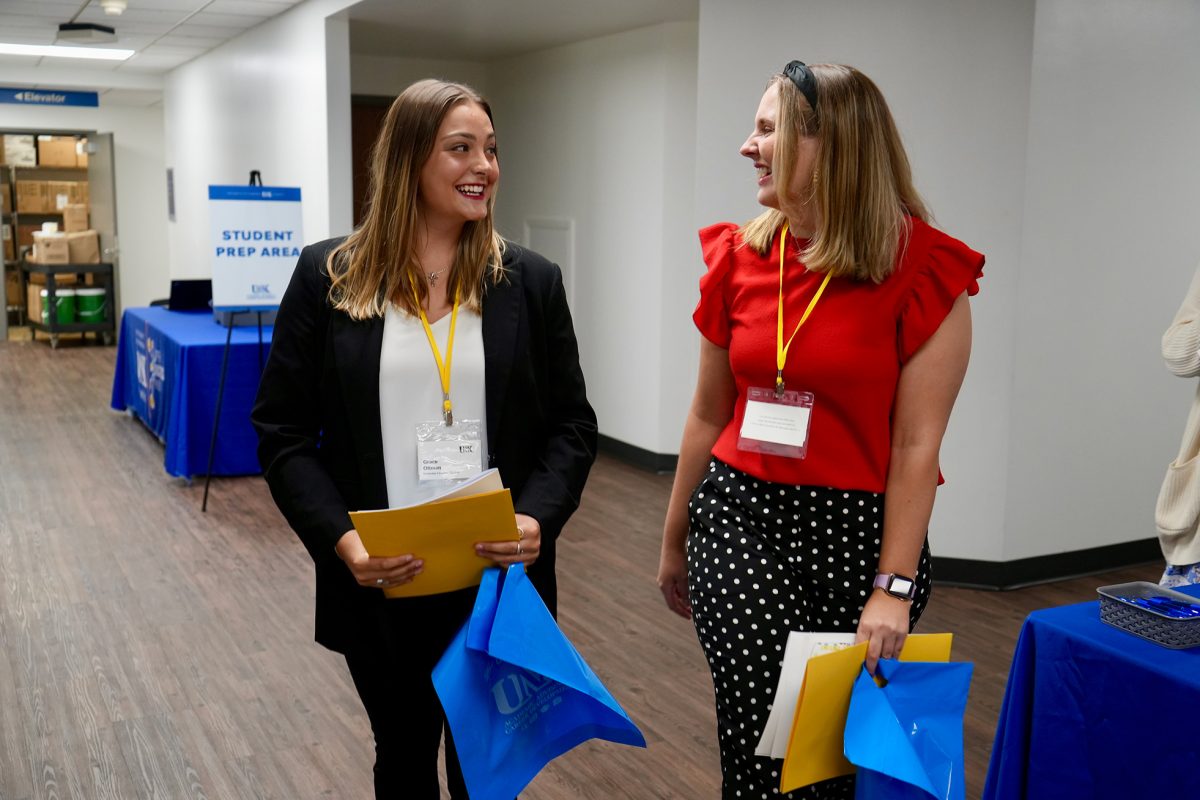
<point>1173,632</point>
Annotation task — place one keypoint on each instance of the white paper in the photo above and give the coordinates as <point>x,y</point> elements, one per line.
<point>484,482</point>
<point>801,646</point>
<point>775,422</point>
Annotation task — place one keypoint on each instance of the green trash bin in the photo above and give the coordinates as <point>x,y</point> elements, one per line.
<point>90,305</point>
<point>64,300</point>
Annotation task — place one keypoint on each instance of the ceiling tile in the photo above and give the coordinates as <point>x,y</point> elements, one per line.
<point>43,7</point>
<point>153,63</point>
<point>180,38</point>
<point>171,50</point>
<point>239,21</point>
<point>254,8</point>
<point>207,31</point>
<point>7,60</point>
<point>179,6</point>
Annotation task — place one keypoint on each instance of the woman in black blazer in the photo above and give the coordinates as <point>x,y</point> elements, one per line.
<point>426,251</point>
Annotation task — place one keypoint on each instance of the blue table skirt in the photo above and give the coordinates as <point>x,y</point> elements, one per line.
<point>167,374</point>
<point>1093,712</point>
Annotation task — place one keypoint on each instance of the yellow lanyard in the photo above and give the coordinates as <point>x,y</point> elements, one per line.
<point>781,349</point>
<point>443,367</point>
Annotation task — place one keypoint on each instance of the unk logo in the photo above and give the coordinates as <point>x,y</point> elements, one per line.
<point>515,690</point>
<point>260,288</point>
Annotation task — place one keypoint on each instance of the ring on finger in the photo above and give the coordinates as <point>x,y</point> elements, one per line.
<point>520,533</point>
<point>379,581</point>
<point>518,547</point>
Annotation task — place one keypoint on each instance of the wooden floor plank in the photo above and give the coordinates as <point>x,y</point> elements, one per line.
<point>148,650</point>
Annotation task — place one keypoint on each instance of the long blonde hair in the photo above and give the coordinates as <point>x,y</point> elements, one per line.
<point>377,264</point>
<point>862,189</point>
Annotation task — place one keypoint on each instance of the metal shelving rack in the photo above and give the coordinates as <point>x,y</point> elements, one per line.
<point>9,175</point>
<point>106,329</point>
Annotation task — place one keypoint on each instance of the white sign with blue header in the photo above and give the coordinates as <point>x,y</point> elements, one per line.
<point>256,239</point>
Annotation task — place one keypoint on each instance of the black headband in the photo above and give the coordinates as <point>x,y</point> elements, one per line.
<point>802,76</point>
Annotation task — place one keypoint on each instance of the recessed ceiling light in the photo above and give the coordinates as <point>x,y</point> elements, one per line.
<point>113,8</point>
<point>59,51</point>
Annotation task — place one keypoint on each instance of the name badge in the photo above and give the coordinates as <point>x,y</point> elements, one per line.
<point>776,424</point>
<point>449,460</point>
<point>449,452</point>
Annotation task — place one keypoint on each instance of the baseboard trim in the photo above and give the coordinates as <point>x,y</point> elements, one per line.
<point>637,456</point>
<point>1004,575</point>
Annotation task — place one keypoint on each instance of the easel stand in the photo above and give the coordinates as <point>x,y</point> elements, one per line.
<point>212,444</point>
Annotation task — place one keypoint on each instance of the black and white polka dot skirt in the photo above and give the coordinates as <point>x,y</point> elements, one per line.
<point>765,559</point>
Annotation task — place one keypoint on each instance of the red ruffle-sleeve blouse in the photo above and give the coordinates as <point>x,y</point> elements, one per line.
<point>848,354</point>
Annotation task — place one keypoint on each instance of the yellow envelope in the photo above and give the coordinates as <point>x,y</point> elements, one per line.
<point>443,535</point>
<point>815,748</point>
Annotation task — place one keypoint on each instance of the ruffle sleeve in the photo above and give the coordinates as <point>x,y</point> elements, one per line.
<point>717,242</point>
<point>949,268</point>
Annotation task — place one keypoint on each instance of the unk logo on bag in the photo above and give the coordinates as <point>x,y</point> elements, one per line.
<point>523,697</point>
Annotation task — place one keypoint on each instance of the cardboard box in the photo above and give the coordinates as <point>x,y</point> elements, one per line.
<point>59,194</point>
<point>81,152</point>
<point>62,279</point>
<point>33,197</point>
<point>50,248</point>
<point>10,244</point>
<point>78,193</point>
<point>18,150</point>
<point>25,233</point>
<point>12,288</point>
<point>75,218</point>
<point>56,151</point>
<point>84,247</point>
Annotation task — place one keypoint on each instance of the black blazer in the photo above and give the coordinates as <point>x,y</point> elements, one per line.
<point>317,416</point>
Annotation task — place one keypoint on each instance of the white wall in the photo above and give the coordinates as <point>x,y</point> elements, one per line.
<point>1056,137</point>
<point>601,133</point>
<point>585,134</point>
<point>141,185</point>
<point>275,99</point>
<point>386,76</point>
<point>963,121</point>
<point>1110,242</point>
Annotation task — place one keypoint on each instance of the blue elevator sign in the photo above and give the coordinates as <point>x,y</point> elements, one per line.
<point>48,97</point>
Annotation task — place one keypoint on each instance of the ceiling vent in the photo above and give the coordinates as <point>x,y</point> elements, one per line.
<point>85,33</point>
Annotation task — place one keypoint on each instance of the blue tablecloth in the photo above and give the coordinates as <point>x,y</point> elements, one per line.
<point>168,371</point>
<point>1093,712</point>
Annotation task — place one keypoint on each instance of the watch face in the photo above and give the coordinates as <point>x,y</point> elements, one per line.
<point>901,586</point>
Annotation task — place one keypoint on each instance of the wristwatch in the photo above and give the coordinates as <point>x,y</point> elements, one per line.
<point>898,586</point>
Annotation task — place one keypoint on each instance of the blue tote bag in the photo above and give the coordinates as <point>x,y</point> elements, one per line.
<point>516,693</point>
<point>906,737</point>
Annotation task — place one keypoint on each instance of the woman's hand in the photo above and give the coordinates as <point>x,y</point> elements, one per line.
<point>673,581</point>
<point>884,626</point>
<point>379,573</point>
<point>523,551</point>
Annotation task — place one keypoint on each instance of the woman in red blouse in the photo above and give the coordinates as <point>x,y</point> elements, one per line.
<point>835,336</point>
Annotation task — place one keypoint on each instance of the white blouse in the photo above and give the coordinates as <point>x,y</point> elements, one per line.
<point>410,392</point>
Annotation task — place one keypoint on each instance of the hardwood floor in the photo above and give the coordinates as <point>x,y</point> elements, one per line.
<point>148,650</point>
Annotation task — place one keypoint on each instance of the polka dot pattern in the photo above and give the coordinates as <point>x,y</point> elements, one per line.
<point>765,559</point>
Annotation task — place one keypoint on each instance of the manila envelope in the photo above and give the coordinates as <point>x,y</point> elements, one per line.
<point>815,749</point>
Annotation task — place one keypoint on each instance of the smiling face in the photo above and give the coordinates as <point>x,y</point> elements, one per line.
<point>459,178</point>
<point>760,147</point>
